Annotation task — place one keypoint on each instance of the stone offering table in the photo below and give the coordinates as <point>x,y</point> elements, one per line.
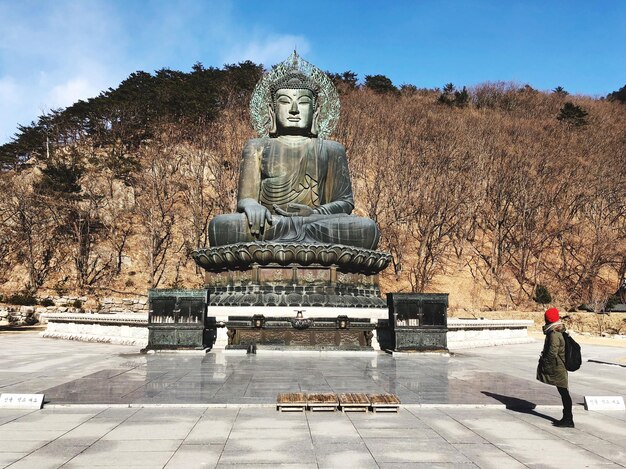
<point>283,333</point>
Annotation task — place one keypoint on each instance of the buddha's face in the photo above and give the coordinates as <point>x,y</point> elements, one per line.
<point>294,111</point>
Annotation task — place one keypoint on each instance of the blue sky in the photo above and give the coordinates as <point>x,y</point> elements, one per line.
<point>54,52</point>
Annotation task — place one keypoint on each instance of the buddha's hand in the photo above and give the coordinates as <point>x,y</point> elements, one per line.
<point>294,210</point>
<point>257,215</point>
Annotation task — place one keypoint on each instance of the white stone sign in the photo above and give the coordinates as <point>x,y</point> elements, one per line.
<point>21,401</point>
<point>604,403</point>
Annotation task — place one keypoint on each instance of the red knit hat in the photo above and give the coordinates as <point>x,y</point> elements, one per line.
<point>552,315</point>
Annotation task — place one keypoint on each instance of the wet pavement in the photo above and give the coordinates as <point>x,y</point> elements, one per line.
<point>110,406</point>
<point>70,372</point>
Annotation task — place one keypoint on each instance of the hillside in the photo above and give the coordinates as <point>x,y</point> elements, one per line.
<point>486,193</point>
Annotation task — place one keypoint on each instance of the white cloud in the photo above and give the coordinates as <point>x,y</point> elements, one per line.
<point>8,90</point>
<point>267,50</point>
<point>67,93</point>
<point>52,54</point>
<point>10,99</point>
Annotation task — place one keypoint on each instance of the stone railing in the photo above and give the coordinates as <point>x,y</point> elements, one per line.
<point>115,328</point>
<point>469,333</point>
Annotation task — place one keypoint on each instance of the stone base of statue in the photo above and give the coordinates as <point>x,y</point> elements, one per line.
<point>259,284</point>
<point>299,275</point>
<point>293,286</point>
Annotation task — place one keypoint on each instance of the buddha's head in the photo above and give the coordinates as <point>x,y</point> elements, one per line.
<point>293,109</point>
<point>294,98</point>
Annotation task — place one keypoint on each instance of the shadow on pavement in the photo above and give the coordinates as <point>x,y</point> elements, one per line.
<point>518,405</point>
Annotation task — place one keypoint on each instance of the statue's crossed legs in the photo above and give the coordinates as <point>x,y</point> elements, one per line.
<point>348,230</point>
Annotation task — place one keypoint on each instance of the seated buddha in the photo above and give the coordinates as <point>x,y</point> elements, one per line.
<point>294,186</point>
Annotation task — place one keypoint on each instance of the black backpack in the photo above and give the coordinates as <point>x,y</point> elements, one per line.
<point>573,357</point>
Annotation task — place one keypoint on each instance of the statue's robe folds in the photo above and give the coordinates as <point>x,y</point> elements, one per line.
<point>315,174</point>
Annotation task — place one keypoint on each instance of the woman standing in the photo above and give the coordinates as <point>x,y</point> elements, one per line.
<point>551,369</point>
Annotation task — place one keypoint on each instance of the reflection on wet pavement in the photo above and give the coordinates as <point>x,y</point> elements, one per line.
<point>107,374</point>
<point>220,379</point>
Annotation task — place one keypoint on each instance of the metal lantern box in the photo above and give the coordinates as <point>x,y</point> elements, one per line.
<point>177,319</point>
<point>418,321</point>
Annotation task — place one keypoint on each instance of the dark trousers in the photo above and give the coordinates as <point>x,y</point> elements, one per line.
<point>567,401</point>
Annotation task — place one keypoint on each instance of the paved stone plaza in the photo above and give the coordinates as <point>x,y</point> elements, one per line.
<point>111,406</point>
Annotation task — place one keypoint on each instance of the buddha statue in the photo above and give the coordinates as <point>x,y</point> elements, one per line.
<point>294,184</point>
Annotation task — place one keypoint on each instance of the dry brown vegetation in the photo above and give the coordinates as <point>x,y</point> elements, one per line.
<point>486,200</point>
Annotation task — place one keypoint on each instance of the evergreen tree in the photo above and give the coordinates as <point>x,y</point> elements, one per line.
<point>447,96</point>
<point>407,88</point>
<point>572,115</point>
<point>60,179</point>
<point>347,79</point>
<point>461,98</point>
<point>453,97</point>
<point>120,119</point>
<point>379,84</point>
<point>542,295</point>
<point>619,95</point>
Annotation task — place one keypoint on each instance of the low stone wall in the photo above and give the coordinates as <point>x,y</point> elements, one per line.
<point>605,324</point>
<point>29,315</point>
<point>470,333</point>
<point>123,305</point>
<point>65,301</point>
<point>18,315</point>
<point>104,305</point>
<point>120,328</point>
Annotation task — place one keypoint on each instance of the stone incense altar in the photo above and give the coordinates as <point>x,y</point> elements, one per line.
<point>294,241</point>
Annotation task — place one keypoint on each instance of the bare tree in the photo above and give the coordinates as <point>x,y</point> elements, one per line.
<point>498,188</point>
<point>32,225</point>
<point>158,191</point>
<point>208,171</point>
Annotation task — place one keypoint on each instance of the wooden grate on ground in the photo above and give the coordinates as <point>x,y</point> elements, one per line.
<point>291,402</point>
<point>354,402</point>
<point>384,402</point>
<point>351,401</point>
<point>322,401</point>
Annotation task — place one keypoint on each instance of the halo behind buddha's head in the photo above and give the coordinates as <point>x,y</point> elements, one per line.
<point>295,73</point>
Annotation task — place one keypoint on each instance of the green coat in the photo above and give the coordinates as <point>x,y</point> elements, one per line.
<point>551,369</point>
